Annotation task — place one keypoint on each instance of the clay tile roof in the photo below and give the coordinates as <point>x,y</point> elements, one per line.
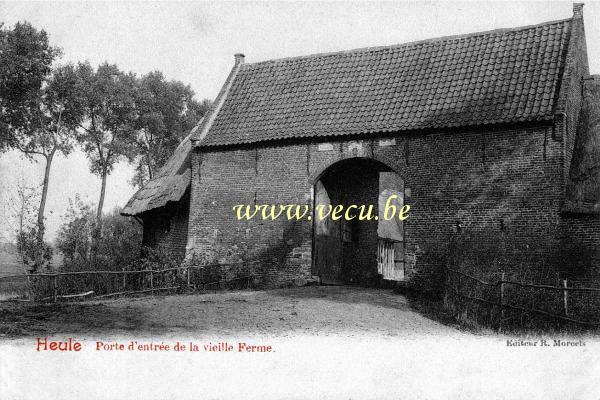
<point>169,184</point>
<point>501,76</point>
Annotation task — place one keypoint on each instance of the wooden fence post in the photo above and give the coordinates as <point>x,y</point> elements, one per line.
<point>446,289</point>
<point>566,297</point>
<point>502,299</point>
<point>522,312</point>
<point>459,300</point>
<point>55,284</point>
<point>124,282</point>
<point>151,282</point>
<point>188,277</point>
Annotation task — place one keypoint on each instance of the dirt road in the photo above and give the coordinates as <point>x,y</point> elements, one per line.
<point>309,310</point>
<point>328,343</point>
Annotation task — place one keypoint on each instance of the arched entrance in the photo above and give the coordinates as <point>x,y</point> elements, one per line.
<point>366,247</point>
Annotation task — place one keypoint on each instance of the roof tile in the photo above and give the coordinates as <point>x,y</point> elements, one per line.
<point>491,77</point>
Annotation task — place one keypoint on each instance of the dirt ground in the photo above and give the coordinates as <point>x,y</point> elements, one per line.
<point>321,310</point>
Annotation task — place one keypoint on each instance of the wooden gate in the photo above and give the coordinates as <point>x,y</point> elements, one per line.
<point>390,230</point>
<point>390,260</point>
<point>334,246</point>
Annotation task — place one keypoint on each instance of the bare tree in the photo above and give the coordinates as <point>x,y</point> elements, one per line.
<point>18,216</point>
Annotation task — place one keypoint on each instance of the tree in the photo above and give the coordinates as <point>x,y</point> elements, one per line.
<point>109,119</point>
<point>166,112</point>
<point>74,235</point>
<point>18,206</point>
<point>118,246</point>
<point>40,108</point>
<point>18,217</point>
<point>25,60</point>
<point>49,124</point>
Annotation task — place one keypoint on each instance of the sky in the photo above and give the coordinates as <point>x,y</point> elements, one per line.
<point>194,42</point>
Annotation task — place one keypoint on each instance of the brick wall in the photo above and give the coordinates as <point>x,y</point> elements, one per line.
<point>581,228</point>
<point>223,179</point>
<point>570,91</point>
<point>480,180</point>
<point>167,227</point>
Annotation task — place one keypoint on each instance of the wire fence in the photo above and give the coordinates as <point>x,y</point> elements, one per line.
<point>56,286</point>
<point>505,303</point>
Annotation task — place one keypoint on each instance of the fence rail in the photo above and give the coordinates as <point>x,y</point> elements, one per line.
<point>54,286</point>
<point>498,300</point>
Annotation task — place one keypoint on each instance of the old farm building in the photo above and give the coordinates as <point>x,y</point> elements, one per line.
<point>491,133</point>
<point>162,205</point>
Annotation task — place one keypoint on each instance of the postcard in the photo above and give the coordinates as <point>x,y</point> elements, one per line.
<point>299,200</point>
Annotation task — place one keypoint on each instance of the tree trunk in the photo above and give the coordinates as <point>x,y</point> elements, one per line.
<point>150,174</point>
<point>39,256</point>
<point>40,219</point>
<point>102,192</point>
<point>21,229</point>
<point>96,233</point>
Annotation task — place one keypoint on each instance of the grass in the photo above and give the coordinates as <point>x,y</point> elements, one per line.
<point>11,288</point>
<point>9,260</point>
<point>529,326</point>
<point>433,308</point>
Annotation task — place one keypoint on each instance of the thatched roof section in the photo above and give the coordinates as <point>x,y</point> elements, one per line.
<point>169,184</point>
<point>584,186</point>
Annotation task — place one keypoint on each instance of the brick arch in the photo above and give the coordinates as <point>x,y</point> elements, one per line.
<point>324,166</point>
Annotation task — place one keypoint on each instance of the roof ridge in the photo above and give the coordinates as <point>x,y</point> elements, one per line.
<point>501,76</point>
<point>408,44</point>
<point>201,130</point>
<point>167,168</point>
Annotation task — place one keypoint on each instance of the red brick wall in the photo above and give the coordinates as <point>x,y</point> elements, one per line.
<point>473,178</point>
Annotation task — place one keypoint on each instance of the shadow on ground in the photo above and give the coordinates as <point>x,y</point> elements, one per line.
<point>314,310</point>
<point>347,294</point>
<point>19,319</point>
<point>431,308</point>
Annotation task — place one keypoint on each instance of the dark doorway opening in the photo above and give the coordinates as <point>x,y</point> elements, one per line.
<point>355,251</point>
